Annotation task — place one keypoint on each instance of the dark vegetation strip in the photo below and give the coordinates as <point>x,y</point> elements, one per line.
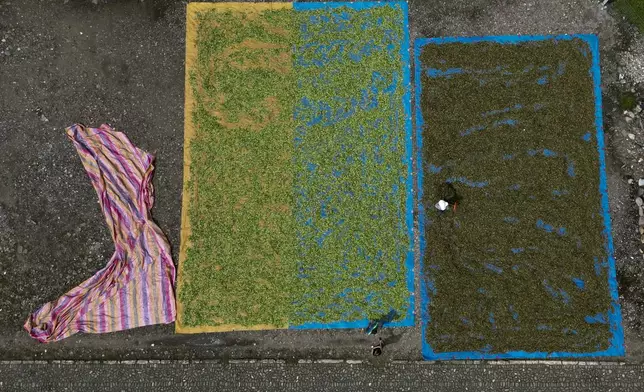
<point>510,136</point>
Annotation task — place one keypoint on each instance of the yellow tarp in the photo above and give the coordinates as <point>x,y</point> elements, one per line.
<point>193,9</point>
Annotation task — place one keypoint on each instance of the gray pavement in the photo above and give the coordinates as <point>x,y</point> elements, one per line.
<point>329,377</point>
<point>66,61</point>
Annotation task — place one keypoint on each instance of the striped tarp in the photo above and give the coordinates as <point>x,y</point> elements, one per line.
<point>136,287</point>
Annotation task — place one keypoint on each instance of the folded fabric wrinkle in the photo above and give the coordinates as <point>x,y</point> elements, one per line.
<point>136,287</point>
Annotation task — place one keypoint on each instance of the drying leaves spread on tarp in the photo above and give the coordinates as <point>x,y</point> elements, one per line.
<point>296,170</point>
<point>520,260</point>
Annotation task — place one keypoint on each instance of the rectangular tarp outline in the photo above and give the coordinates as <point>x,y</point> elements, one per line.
<point>614,313</point>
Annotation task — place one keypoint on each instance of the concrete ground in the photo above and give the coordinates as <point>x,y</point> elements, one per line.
<point>161,376</point>
<point>119,61</point>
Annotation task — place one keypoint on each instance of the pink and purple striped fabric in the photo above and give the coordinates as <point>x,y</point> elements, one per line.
<point>136,288</point>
